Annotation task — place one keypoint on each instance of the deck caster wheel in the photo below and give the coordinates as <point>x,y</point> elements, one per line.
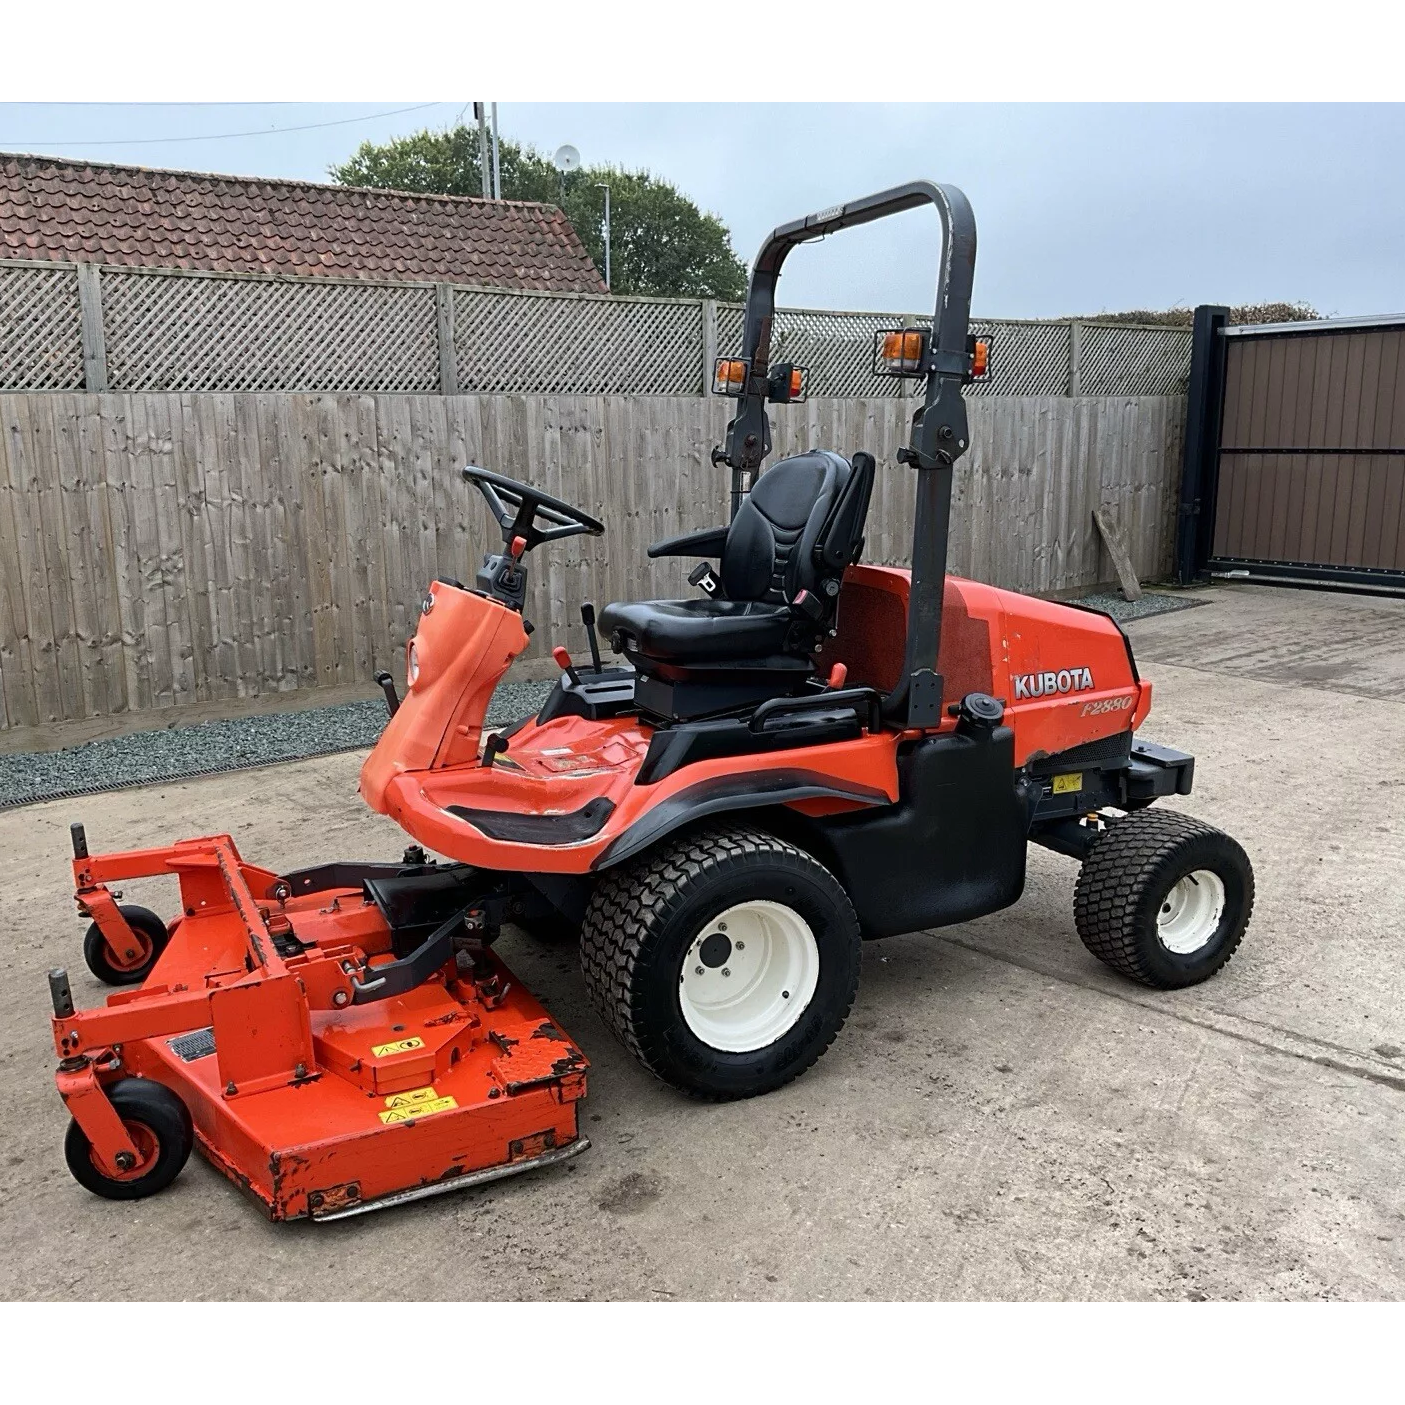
<point>726,962</point>
<point>160,1128</point>
<point>131,966</point>
<point>1164,898</point>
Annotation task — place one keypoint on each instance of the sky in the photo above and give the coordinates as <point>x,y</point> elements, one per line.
<point>1080,208</point>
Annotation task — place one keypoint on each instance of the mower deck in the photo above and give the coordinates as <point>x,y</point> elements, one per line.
<point>315,1104</point>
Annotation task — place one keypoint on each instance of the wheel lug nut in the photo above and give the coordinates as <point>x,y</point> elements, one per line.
<point>725,971</point>
<point>721,926</point>
<point>699,970</point>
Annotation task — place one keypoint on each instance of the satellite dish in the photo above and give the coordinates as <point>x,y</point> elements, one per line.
<point>567,159</point>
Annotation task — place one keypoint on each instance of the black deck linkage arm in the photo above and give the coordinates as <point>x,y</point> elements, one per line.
<point>939,429</point>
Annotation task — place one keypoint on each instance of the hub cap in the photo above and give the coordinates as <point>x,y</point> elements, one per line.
<point>1190,913</point>
<point>148,1149</point>
<point>748,976</point>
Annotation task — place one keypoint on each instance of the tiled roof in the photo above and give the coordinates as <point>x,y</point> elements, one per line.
<point>76,210</point>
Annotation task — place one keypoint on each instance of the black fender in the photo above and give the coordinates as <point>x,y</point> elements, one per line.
<point>719,795</point>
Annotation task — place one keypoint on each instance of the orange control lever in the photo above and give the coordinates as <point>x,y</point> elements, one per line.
<point>563,662</point>
<point>838,676</point>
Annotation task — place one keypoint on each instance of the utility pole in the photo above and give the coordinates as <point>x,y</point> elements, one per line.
<point>497,172</point>
<point>606,189</point>
<point>479,112</point>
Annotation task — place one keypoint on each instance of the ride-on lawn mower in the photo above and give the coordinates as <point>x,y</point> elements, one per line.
<point>809,753</point>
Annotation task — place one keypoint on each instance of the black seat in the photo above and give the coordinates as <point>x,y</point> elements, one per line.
<point>689,631</point>
<point>782,560</point>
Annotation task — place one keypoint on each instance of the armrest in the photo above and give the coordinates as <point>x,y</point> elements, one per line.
<point>707,543</point>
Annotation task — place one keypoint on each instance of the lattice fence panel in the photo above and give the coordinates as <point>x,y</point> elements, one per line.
<point>168,330</point>
<point>505,343</point>
<point>1134,361</point>
<point>41,344</point>
<point>177,332</point>
<point>1026,358</point>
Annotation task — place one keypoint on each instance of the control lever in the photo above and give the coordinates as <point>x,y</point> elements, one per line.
<point>387,686</point>
<point>563,662</point>
<point>492,748</point>
<point>838,676</point>
<point>588,620</point>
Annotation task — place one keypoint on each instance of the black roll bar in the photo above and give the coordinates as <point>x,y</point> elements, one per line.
<point>939,428</point>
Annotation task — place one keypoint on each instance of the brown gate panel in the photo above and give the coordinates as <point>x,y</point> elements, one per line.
<point>1312,451</point>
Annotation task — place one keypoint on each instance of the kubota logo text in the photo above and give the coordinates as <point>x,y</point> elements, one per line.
<point>1045,685</point>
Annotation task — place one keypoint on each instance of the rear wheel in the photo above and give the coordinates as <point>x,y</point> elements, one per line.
<point>1164,898</point>
<point>159,1125</point>
<point>133,962</point>
<point>726,962</point>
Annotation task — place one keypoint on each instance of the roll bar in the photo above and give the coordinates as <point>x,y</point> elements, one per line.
<point>939,428</point>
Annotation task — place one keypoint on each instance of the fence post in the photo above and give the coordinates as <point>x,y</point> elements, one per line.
<point>1075,358</point>
<point>709,342</point>
<point>90,321</point>
<point>448,360</point>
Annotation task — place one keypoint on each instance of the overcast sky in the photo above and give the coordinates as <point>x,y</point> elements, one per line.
<point>1080,208</point>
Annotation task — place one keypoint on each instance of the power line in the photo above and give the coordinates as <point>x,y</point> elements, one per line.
<point>229,136</point>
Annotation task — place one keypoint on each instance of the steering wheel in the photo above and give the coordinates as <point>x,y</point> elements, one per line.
<point>516,507</point>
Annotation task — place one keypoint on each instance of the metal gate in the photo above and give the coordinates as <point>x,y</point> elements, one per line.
<point>1295,452</point>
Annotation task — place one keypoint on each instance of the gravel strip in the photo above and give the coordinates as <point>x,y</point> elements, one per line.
<point>177,752</point>
<point>1151,603</point>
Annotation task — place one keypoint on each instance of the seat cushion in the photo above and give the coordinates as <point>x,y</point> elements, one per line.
<point>686,631</point>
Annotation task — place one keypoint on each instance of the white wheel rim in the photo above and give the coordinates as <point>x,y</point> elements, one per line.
<point>748,976</point>
<point>1190,913</point>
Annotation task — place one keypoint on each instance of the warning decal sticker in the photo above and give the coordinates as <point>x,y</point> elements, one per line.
<point>399,1046</point>
<point>1064,784</point>
<point>408,1099</point>
<point>410,1111</point>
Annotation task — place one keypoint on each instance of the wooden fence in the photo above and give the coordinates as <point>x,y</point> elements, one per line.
<point>160,549</point>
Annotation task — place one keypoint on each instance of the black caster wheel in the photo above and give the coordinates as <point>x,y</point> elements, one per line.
<point>132,965</point>
<point>160,1128</point>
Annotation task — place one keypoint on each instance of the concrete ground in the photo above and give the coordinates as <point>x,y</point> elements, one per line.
<point>1001,1118</point>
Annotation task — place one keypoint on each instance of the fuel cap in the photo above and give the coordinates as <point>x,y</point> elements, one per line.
<point>980,710</point>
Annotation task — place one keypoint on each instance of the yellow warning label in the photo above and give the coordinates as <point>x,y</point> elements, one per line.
<point>416,1110</point>
<point>400,1046</point>
<point>1064,784</point>
<point>414,1095</point>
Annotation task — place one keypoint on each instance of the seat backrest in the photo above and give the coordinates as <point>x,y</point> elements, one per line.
<point>770,554</point>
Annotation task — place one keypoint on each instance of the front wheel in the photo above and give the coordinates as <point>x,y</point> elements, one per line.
<point>726,962</point>
<point>1164,898</point>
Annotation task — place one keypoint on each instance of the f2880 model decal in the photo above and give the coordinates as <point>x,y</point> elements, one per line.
<point>1044,685</point>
